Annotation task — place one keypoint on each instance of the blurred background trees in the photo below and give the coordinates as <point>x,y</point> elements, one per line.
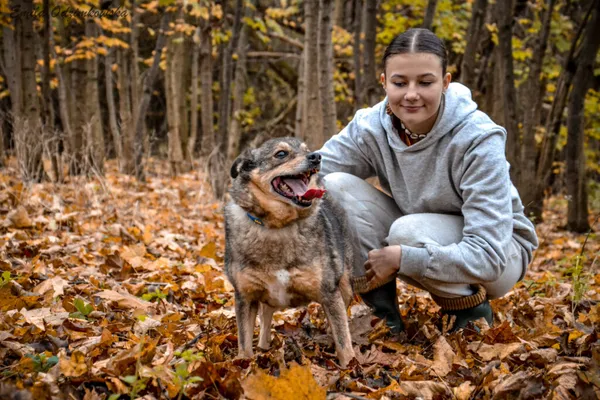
<point>197,81</point>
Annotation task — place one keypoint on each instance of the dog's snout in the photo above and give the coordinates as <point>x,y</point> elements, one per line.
<point>314,158</point>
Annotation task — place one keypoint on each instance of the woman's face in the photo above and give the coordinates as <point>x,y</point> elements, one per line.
<point>414,84</point>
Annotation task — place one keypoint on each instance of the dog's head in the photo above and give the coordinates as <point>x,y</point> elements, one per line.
<point>279,178</point>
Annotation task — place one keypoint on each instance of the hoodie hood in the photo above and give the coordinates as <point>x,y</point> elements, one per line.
<point>455,107</point>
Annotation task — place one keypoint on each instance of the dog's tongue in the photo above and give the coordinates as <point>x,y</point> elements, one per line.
<point>312,193</point>
<point>297,185</point>
<point>301,189</point>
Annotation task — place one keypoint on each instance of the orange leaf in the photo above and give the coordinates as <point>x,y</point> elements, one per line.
<point>294,383</point>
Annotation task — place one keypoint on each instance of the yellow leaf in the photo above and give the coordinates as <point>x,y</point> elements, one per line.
<point>294,383</point>
<point>209,250</point>
<point>75,366</point>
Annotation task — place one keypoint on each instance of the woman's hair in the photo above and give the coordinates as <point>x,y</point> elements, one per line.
<point>417,40</point>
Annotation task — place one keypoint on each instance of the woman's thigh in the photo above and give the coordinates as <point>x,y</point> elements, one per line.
<point>370,212</point>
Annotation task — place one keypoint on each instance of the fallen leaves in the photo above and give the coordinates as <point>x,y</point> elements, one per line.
<point>115,287</point>
<point>296,382</point>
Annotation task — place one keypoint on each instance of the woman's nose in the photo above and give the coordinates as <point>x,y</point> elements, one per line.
<point>411,94</point>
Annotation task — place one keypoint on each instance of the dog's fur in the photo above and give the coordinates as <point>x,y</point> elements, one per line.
<point>299,254</point>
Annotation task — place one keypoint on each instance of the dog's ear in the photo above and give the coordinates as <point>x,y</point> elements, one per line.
<point>243,163</point>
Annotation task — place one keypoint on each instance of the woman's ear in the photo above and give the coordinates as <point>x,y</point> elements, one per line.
<point>447,80</point>
<point>382,79</point>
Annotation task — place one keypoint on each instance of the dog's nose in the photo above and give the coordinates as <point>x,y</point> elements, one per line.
<point>314,158</point>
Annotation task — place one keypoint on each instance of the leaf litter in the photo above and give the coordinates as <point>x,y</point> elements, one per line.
<point>113,289</point>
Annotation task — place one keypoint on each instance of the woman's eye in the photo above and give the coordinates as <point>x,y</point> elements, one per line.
<point>400,84</point>
<point>281,154</point>
<point>426,83</point>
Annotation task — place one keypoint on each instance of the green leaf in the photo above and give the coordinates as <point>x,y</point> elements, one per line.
<point>52,361</point>
<point>114,396</point>
<point>82,307</point>
<point>181,370</point>
<point>129,379</point>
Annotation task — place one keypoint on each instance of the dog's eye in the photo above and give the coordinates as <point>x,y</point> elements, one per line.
<point>281,154</point>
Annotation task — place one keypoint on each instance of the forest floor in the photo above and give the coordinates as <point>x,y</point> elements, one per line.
<point>115,289</point>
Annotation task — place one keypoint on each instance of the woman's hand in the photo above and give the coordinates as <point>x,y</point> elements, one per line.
<point>383,265</point>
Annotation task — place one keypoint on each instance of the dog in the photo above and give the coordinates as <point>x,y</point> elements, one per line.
<point>286,244</point>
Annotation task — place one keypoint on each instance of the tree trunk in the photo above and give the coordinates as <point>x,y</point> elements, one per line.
<point>194,100</point>
<point>78,163</point>
<point>145,100</point>
<point>11,43</point>
<point>534,96</point>
<point>48,109</point>
<point>300,103</point>
<point>326,66</point>
<point>127,124</point>
<point>359,100</point>
<point>338,16</point>
<point>96,134</point>
<point>429,14</point>
<point>554,120</point>
<point>370,82</point>
<point>227,76</point>
<point>350,14</point>
<point>206,99</point>
<point>173,77</point>
<point>64,106</point>
<point>110,103</point>
<point>577,215</point>
<point>134,68</point>
<point>504,15</point>
<point>313,117</point>
<point>235,131</point>
<point>28,140</point>
<point>467,69</point>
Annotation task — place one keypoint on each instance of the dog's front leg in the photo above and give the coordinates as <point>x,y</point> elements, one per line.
<point>338,320</point>
<point>245,314</point>
<point>266,314</point>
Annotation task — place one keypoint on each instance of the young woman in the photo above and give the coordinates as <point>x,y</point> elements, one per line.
<point>451,222</point>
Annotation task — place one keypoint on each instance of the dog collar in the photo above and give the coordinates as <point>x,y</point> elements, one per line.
<point>256,220</point>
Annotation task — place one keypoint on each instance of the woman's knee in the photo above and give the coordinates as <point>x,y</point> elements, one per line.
<point>419,229</point>
<point>340,182</point>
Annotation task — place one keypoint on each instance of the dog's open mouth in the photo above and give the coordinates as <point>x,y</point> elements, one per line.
<point>295,188</point>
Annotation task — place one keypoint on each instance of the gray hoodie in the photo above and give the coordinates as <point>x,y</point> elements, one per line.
<point>460,168</point>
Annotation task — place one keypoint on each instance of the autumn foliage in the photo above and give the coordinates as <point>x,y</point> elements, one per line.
<point>114,289</point>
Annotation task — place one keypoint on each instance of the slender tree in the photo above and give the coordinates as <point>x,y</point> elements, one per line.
<point>194,95</point>
<point>356,56</point>
<point>173,93</point>
<point>326,66</point>
<point>577,215</point>
<point>370,82</point>
<point>227,76</point>
<point>504,15</point>
<point>206,96</point>
<point>313,120</point>
<point>429,14</point>
<point>467,69</point>
<point>145,100</point>
<point>26,107</point>
<point>534,96</point>
<point>555,117</point>
<point>239,88</point>
<point>110,104</point>
<point>95,136</point>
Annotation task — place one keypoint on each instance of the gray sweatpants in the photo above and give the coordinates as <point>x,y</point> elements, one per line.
<point>377,222</point>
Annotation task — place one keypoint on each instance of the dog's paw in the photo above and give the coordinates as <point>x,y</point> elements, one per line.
<point>245,354</point>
